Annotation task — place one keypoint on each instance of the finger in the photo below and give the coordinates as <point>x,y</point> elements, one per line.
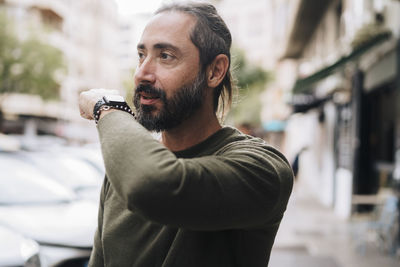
<point>86,100</point>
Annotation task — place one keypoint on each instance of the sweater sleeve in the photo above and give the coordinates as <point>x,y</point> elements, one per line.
<point>244,187</point>
<point>96,257</point>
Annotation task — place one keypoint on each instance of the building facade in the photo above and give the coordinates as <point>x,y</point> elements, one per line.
<point>344,98</point>
<point>87,32</point>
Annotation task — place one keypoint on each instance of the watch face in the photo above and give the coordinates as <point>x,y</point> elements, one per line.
<point>114,98</point>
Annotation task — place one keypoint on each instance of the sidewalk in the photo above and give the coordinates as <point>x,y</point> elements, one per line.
<point>311,235</point>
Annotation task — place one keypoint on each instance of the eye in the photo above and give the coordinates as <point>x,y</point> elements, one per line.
<point>166,56</point>
<point>141,56</point>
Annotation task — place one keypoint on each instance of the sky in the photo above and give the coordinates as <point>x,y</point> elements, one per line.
<point>128,7</point>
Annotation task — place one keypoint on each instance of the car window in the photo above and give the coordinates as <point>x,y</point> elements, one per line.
<point>67,170</point>
<point>21,183</point>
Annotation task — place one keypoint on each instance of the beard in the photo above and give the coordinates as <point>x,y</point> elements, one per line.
<point>174,110</point>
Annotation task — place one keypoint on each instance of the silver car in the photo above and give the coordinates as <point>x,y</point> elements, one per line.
<point>46,211</point>
<point>16,250</point>
<point>76,174</point>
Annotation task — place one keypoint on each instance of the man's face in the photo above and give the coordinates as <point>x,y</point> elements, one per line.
<point>169,82</point>
<point>175,109</point>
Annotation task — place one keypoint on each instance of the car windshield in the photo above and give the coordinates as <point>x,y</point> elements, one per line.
<point>22,183</point>
<point>67,170</point>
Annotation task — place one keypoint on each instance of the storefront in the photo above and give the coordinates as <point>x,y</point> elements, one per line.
<point>375,101</point>
<point>361,127</point>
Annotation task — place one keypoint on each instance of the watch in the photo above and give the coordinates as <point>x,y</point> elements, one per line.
<point>108,102</point>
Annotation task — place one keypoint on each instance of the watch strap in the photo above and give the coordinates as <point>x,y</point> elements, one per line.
<point>103,104</point>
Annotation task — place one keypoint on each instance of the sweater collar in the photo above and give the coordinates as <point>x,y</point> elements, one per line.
<point>212,144</point>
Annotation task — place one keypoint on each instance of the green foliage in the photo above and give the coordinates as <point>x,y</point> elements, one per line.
<point>246,74</point>
<point>251,81</point>
<point>29,66</point>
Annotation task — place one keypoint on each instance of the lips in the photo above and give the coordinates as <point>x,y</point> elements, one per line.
<point>148,99</point>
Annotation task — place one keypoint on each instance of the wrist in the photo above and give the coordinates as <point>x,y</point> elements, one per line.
<point>108,104</point>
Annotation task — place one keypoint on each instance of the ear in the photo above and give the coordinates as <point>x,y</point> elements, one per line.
<point>216,70</point>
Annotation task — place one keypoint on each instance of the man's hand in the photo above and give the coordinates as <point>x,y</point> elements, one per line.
<point>88,99</point>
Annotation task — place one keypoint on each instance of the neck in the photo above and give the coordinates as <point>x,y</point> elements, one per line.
<point>192,131</point>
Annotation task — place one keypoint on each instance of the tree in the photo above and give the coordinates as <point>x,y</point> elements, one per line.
<point>27,66</point>
<point>251,81</point>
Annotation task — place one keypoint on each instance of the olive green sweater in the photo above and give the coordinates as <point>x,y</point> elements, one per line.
<point>218,203</point>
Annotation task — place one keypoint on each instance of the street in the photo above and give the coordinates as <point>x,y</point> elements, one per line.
<point>311,235</point>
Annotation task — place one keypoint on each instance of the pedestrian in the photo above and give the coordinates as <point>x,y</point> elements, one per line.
<point>205,194</point>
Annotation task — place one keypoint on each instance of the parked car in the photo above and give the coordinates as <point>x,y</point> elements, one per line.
<point>16,250</point>
<point>46,211</point>
<point>88,153</point>
<point>73,172</point>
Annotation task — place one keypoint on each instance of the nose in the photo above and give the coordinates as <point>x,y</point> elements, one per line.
<point>145,72</point>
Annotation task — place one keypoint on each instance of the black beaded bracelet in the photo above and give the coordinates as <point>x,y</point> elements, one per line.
<point>105,104</point>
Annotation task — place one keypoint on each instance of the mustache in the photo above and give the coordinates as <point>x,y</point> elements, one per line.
<point>149,89</point>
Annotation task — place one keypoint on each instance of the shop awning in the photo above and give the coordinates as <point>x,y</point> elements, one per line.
<point>311,102</point>
<point>305,85</point>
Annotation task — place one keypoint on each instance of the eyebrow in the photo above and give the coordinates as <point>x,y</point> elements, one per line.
<point>160,46</point>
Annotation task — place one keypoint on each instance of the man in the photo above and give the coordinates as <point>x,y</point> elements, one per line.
<point>206,195</point>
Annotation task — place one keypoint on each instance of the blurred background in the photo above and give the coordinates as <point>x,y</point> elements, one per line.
<point>319,80</point>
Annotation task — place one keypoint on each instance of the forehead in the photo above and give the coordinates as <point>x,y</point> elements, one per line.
<point>171,27</point>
